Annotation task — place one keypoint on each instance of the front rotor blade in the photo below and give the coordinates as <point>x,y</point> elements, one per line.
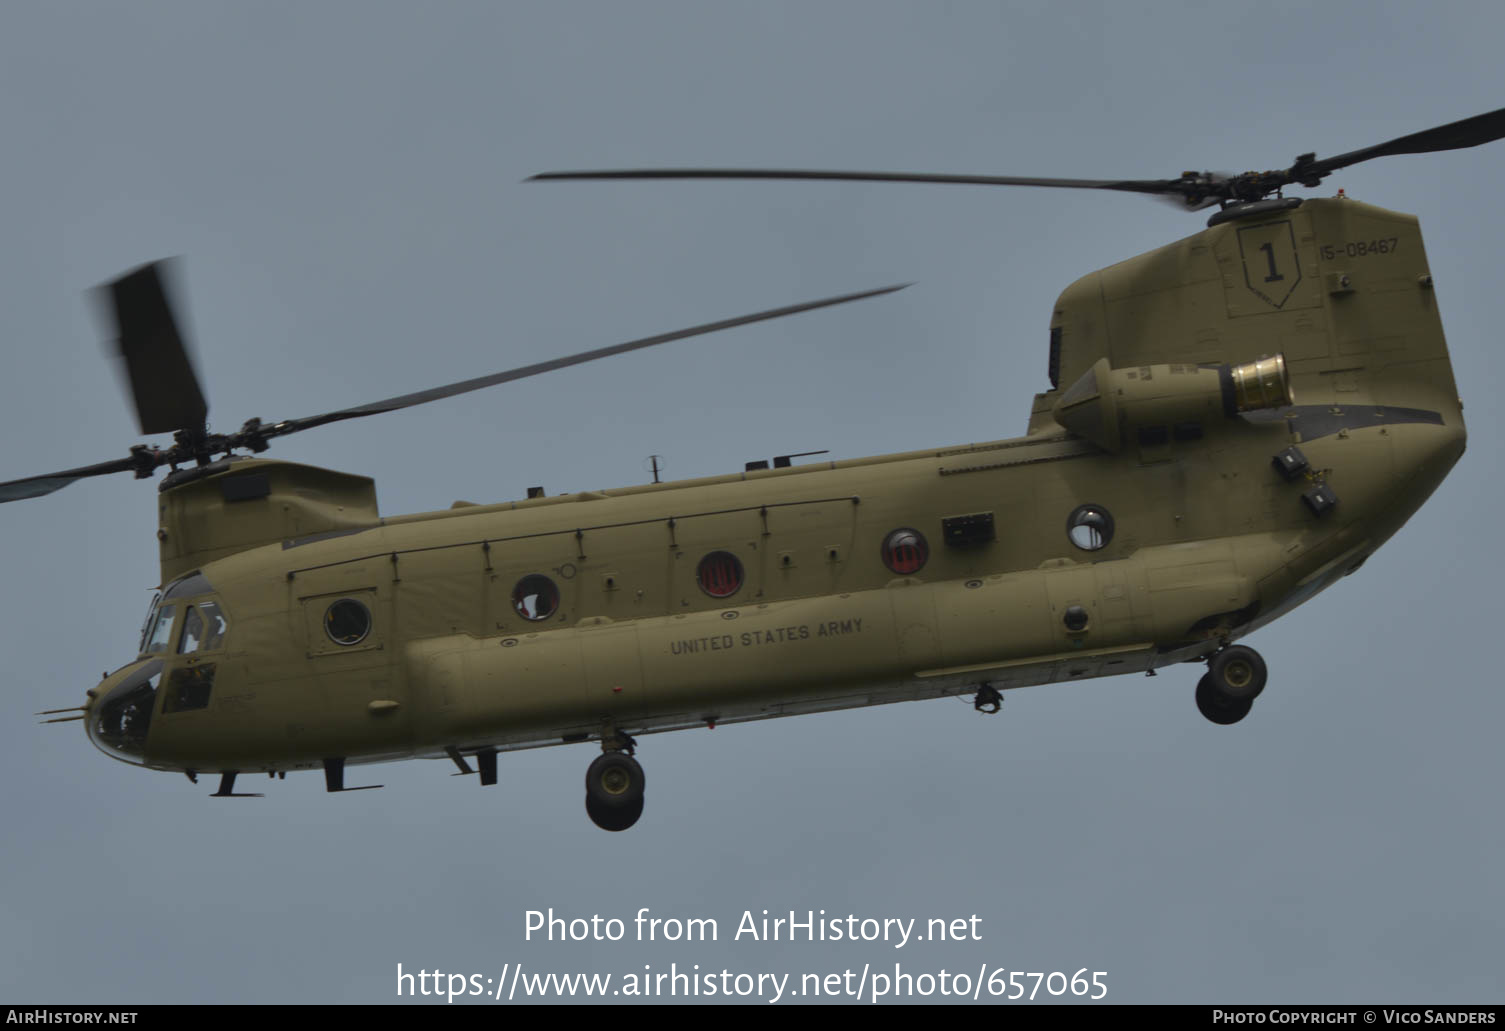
<point>163,383</point>
<point>1460,135</point>
<point>1128,185</point>
<point>36,486</point>
<point>464,386</point>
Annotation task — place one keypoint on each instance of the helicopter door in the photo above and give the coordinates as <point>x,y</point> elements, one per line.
<point>349,641</point>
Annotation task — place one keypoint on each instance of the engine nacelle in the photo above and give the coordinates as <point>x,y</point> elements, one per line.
<point>1153,403</point>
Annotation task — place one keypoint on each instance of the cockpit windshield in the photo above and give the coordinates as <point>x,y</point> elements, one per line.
<point>151,621</point>
<point>156,641</point>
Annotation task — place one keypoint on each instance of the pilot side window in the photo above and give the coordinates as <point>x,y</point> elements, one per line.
<point>204,627</point>
<point>215,626</point>
<point>193,632</point>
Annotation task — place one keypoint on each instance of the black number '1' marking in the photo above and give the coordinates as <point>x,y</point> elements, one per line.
<point>1274,276</point>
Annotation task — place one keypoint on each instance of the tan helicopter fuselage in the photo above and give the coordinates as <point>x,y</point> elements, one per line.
<point>788,590</point>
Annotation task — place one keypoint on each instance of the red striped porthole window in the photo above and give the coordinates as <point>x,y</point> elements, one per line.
<point>905,551</point>
<point>719,574</point>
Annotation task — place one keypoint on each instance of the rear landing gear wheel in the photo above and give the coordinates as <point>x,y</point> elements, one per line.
<point>1238,673</point>
<point>615,780</point>
<point>614,791</point>
<point>609,819</point>
<point>1220,710</point>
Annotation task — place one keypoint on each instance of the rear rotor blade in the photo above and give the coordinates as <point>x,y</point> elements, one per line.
<point>1194,190</point>
<point>163,384</point>
<point>1460,135</point>
<point>465,386</point>
<point>1127,185</point>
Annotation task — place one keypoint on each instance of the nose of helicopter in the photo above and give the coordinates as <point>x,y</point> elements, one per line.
<point>119,718</point>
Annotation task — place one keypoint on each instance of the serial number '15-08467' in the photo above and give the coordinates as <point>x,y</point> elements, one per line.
<point>1361,248</point>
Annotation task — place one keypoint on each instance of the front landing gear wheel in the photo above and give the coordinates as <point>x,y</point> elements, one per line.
<point>613,819</point>
<point>1215,707</point>
<point>1238,673</point>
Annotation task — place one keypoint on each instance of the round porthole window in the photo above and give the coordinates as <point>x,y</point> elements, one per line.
<point>719,574</point>
<point>535,597</point>
<point>347,621</point>
<point>905,551</point>
<point>1090,527</point>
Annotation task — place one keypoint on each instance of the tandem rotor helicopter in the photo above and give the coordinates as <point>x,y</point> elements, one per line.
<point>1234,422</point>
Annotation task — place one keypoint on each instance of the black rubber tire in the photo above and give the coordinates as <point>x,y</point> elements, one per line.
<point>1238,673</point>
<point>613,819</point>
<point>615,781</point>
<point>1222,711</point>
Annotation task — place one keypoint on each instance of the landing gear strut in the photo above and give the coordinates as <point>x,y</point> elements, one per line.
<point>1235,676</point>
<point>614,786</point>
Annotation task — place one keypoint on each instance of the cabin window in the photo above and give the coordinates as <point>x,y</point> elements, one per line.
<point>162,631</point>
<point>347,622</point>
<point>1090,527</point>
<point>535,597</point>
<point>719,574</point>
<point>905,551</point>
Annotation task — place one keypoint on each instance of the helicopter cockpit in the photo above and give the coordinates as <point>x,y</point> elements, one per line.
<point>184,624</point>
<point>203,624</point>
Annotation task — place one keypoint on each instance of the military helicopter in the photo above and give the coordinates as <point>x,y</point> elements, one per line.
<point>1234,422</point>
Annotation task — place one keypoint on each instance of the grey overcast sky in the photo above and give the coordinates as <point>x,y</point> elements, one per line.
<point>345,182</point>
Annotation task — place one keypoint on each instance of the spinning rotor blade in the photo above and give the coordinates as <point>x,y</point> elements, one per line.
<point>392,404</point>
<point>148,334</point>
<point>163,384</point>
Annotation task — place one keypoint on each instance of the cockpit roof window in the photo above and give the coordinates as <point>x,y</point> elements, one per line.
<point>193,583</point>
